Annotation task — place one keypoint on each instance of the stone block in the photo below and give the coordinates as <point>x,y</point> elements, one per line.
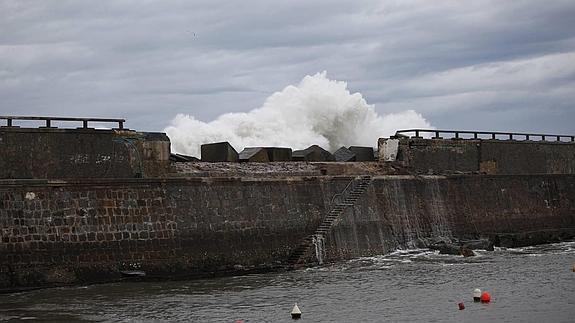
<point>312,153</point>
<point>362,153</point>
<point>344,155</point>
<point>277,154</point>
<point>254,154</point>
<point>219,152</point>
<point>179,158</point>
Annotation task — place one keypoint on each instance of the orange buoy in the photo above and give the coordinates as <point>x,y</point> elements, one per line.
<point>461,306</point>
<point>485,297</point>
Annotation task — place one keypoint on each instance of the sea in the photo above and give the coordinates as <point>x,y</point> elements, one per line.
<point>532,284</point>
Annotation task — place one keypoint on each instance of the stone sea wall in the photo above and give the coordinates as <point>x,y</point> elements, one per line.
<point>81,153</point>
<point>440,156</point>
<point>65,232</point>
<point>412,211</point>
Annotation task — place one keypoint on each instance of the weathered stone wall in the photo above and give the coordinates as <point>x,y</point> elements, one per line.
<point>439,156</point>
<point>81,153</point>
<point>408,210</point>
<point>523,157</point>
<point>56,232</point>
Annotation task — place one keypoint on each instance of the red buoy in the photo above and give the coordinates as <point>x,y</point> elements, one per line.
<point>461,306</point>
<point>485,297</point>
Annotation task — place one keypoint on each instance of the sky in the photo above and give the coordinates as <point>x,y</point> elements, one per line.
<point>475,65</point>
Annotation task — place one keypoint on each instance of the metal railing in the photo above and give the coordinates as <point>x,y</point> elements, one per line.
<point>48,120</point>
<point>493,135</point>
<point>349,186</point>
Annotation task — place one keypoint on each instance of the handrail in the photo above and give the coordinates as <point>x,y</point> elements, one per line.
<point>343,191</point>
<point>476,134</point>
<point>48,120</point>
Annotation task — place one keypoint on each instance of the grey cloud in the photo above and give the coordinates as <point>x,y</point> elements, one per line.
<point>149,60</point>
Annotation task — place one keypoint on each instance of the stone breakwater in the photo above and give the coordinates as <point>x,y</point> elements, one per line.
<point>90,205</point>
<point>66,232</point>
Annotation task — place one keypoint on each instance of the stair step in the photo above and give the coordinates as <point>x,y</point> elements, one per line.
<point>357,189</point>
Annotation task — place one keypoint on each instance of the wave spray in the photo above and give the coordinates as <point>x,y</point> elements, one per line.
<point>316,111</point>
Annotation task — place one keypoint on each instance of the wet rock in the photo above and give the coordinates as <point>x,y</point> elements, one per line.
<point>445,248</point>
<point>466,252</point>
<point>482,244</point>
<point>506,241</point>
<point>449,248</point>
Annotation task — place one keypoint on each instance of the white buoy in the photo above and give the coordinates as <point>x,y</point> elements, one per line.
<point>477,295</point>
<point>295,312</point>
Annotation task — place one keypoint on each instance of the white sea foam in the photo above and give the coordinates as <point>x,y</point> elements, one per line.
<point>315,111</point>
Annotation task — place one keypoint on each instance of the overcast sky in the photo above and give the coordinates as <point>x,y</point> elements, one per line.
<point>485,65</point>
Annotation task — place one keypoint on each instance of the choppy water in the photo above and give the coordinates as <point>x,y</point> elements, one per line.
<point>534,284</point>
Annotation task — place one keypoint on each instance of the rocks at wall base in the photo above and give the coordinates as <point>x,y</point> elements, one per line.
<point>445,248</point>
<point>463,247</point>
<point>482,244</point>
<point>344,155</point>
<point>219,152</point>
<point>312,153</point>
<point>362,153</point>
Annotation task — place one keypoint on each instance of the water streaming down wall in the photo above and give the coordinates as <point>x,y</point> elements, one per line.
<point>440,227</point>
<point>319,248</point>
<point>414,211</point>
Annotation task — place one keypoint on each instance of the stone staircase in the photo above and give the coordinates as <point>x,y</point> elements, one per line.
<point>353,191</point>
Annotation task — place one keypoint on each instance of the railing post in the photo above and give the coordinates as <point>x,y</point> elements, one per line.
<point>120,125</point>
<point>84,124</point>
<point>572,138</point>
<point>558,138</point>
<point>9,122</point>
<point>493,136</point>
<point>475,135</point>
<point>510,136</point>
<point>456,135</point>
<point>543,137</point>
<point>527,137</point>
